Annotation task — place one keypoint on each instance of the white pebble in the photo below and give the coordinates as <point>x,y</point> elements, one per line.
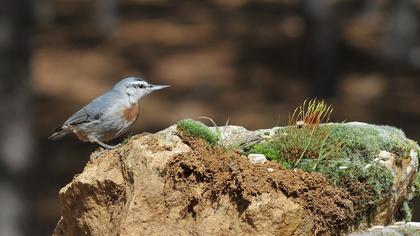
<point>384,155</point>
<point>378,227</point>
<point>415,224</point>
<point>413,154</point>
<point>257,158</point>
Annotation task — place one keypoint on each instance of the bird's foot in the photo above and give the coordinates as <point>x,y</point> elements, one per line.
<point>107,146</point>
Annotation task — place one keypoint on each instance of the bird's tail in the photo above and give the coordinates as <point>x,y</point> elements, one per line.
<point>58,133</point>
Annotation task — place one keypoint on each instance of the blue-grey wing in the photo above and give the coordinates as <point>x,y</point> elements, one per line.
<point>92,111</point>
<point>82,116</point>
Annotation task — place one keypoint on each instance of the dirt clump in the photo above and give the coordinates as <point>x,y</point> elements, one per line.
<point>206,175</point>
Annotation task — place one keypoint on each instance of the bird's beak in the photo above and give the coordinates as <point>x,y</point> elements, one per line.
<point>158,87</point>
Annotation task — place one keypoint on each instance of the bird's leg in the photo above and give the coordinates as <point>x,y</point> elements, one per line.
<point>106,146</point>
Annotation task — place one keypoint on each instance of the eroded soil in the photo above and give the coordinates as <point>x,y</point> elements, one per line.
<point>220,172</point>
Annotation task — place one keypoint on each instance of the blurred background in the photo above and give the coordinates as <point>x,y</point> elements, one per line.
<point>248,61</point>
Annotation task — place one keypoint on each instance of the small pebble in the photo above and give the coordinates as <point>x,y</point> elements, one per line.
<point>384,155</point>
<point>270,169</point>
<point>257,158</point>
<point>377,227</point>
<point>413,154</point>
<point>416,224</point>
<point>300,123</point>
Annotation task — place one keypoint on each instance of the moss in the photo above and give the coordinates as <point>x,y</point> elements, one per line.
<point>340,172</point>
<point>366,141</point>
<point>343,153</point>
<point>405,212</point>
<point>380,179</point>
<point>416,186</point>
<point>358,142</point>
<point>268,149</point>
<point>292,144</point>
<point>335,141</point>
<point>126,140</point>
<point>198,130</point>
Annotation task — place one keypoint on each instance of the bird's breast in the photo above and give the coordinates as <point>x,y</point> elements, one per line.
<point>130,113</point>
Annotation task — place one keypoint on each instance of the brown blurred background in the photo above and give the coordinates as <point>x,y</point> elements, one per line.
<point>248,61</point>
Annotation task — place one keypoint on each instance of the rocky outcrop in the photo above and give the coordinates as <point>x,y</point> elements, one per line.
<point>399,228</point>
<point>161,184</point>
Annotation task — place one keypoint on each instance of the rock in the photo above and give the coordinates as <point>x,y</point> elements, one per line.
<point>156,184</point>
<point>234,136</point>
<point>257,158</point>
<point>122,192</point>
<point>117,184</point>
<point>396,229</point>
<point>404,170</point>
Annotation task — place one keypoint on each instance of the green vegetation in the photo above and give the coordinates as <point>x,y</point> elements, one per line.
<point>311,113</point>
<point>343,153</point>
<point>362,141</point>
<point>127,139</point>
<point>293,144</point>
<point>342,173</point>
<point>405,211</point>
<point>198,130</point>
<point>416,186</point>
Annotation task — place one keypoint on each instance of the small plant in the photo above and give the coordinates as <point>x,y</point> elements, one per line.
<point>218,132</point>
<point>308,118</point>
<point>312,112</point>
<point>199,130</point>
<point>127,139</point>
<point>304,138</point>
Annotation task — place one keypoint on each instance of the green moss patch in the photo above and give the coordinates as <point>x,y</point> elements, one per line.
<point>416,186</point>
<point>197,129</point>
<point>363,141</point>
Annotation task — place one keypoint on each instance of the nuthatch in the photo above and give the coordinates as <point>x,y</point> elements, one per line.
<point>109,115</point>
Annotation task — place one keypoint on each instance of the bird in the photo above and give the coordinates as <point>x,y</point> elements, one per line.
<point>109,115</point>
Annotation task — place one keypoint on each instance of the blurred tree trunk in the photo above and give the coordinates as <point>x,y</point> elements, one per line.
<point>401,36</point>
<point>105,16</point>
<point>322,46</point>
<point>15,109</point>
<point>44,13</point>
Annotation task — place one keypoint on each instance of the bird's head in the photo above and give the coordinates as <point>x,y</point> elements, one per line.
<point>136,88</point>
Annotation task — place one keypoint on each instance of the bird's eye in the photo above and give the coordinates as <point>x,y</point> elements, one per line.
<point>140,85</point>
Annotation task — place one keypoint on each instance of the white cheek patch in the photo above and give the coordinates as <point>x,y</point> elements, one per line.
<point>132,98</point>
